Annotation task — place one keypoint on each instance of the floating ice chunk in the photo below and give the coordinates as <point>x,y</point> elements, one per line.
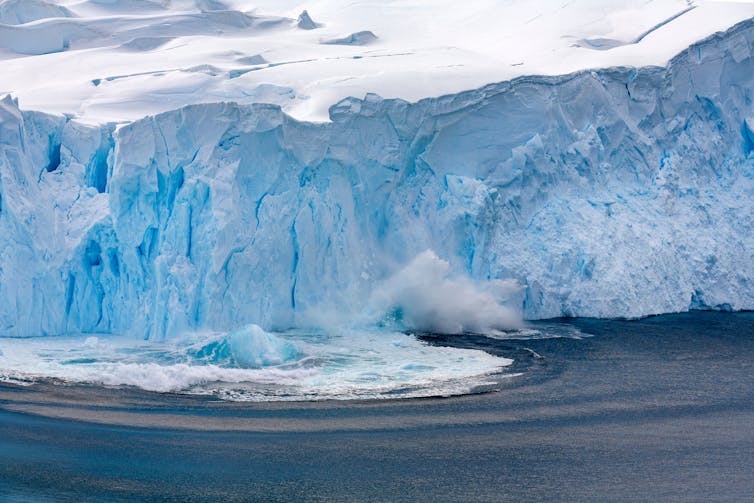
<point>249,347</point>
<point>252,347</point>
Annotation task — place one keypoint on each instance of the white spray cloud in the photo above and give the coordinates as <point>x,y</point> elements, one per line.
<point>425,296</point>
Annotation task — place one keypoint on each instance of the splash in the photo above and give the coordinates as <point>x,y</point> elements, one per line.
<point>362,353</point>
<point>425,296</point>
<point>292,365</point>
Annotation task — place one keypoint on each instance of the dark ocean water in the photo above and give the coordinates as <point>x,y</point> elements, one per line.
<point>660,409</point>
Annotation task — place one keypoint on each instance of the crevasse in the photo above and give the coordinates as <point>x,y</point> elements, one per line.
<point>613,193</point>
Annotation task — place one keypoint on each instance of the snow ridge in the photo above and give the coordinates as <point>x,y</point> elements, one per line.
<point>169,54</point>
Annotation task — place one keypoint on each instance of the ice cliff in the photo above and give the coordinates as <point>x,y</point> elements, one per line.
<point>618,192</point>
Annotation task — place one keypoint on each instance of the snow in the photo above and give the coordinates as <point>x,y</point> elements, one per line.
<point>114,61</point>
<point>14,12</point>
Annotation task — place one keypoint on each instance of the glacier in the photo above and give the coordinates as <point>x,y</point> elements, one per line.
<point>619,192</point>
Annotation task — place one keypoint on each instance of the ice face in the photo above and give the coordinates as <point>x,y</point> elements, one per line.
<point>620,192</point>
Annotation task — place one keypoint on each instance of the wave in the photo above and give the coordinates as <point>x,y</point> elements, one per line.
<point>293,365</point>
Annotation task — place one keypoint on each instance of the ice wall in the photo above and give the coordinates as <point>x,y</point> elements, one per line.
<point>619,192</point>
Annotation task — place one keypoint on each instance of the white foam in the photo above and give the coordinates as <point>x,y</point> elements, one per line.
<point>352,364</point>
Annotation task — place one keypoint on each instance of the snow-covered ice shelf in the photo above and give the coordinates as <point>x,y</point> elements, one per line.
<point>619,192</point>
<point>119,60</point>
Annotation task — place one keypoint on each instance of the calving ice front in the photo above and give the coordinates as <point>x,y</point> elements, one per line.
<point>213,216</point>
<point>157,232</point>
<point>617,192</point>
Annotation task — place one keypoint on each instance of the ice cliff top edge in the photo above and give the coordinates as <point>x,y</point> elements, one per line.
<point>117,61</point>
